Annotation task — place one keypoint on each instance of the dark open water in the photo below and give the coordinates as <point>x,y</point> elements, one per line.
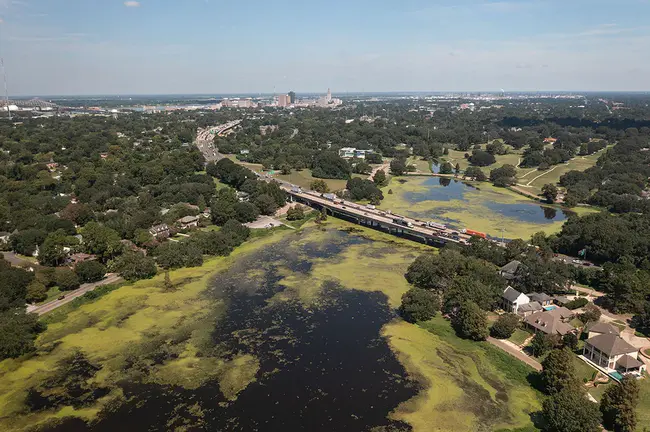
<point>321,369</point>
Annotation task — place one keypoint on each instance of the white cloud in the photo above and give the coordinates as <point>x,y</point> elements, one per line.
<point>132,4</point>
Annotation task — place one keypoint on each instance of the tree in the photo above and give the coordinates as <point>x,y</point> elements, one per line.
<point>222,208</point>
<point>618,405</point>
<point>591,313</point>
<point>503,176</point>
<point>101,241</point>
<point>446,168</point>
<point>475,173</point>
<point>168,282</point>
<point>470,322</point>
<point>558,371</point>
<point>18,330</point>
<point>52,253</point>
<point>373,158</point>
<point>134,266</point>
<point>380,178</point>
<point>90,271</point>
<point>398,166</point>
<point>569,410</point>
<point>36,292</point>
<point>322,216</point>
<point>570,340</point>
<point>246,212</point>
<point>480,158</point>
<point>179,254</point>
<point>541,344</point>
<point>419,305</point>
<point>319,186</point>
<point>550,192</point>
<point>505,326</point>
<point>295,213</point>
<point>27,242</point>
<point>330,165</point>
<point>457,169</point>
<point>266,204</point>
<point>66,279</point>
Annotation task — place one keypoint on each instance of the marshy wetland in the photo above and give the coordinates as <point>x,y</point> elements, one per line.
<point>294,331</point>
<point>481,206</point>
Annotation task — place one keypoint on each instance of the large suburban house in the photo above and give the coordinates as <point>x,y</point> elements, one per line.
<point>508,271</point>
<point>598,328</point>
<point>159,231</point>
<point>612,353</point>
<point>550,322</point>
<point>188,222</point>
<point>513,299</point>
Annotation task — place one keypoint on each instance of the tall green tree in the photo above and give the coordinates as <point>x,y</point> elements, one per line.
<point>419,305</point>
<point>569,410</point>
<point>618,405</point>
<point>470,322</point>
<point>558,371</point>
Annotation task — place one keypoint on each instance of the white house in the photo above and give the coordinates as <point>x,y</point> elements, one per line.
<point>512,299</point>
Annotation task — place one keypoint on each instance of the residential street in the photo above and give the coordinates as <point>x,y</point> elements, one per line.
<point>71,295</point>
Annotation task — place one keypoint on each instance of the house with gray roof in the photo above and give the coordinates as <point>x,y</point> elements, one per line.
<point>597,328</point>
<point>541,298</point>
<point>529,308</point>
<point>512,299</point>
<point>508,271</point>
<point>548,323</point>
<point>613,354</point>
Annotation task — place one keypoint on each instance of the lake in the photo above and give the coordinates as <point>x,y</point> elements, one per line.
<point>480,207</point>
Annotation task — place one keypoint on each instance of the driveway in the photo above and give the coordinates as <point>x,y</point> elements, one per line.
<point>514,351</point>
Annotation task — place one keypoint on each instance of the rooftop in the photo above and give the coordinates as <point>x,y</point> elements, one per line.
<point>511,294</point>
<point>603,328</point>
<point>611,344</point>
<point>548,323</point>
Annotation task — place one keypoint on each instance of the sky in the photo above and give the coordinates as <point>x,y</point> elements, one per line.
<point>102,47</point>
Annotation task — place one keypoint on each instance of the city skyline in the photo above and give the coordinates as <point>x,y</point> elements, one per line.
<point>90,47</point>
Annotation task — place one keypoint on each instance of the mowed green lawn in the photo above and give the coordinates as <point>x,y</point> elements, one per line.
<point>456,156</point>
<point>579,163</point>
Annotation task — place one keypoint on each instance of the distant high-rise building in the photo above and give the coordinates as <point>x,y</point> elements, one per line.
<point>329,95</point>
<point>292,97</point>
<point>283,100</point>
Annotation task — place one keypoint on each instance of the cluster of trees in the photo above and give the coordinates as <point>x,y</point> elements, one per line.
<point>567,409</point>
<point>504,176</point>
<point>18,329</point>
<point>618,180</point>
<point>263,197</point>
<point>363,189</point>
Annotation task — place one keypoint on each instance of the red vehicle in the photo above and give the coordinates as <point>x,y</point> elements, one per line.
<point>475,233</point>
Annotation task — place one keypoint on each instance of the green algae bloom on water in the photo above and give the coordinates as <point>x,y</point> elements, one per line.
<point>477,206</point>
<point>295,331</point>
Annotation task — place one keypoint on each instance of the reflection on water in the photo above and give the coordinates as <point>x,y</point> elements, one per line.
<point>322,368</point>
<point>446,189</point>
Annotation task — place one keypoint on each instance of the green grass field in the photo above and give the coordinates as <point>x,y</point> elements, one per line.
<point>579,163</point>
<point>519,336</point>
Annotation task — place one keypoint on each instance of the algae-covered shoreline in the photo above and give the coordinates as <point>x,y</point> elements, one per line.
<point>305,319</point>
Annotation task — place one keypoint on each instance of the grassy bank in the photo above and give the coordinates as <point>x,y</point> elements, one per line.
<point>468,386</point>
